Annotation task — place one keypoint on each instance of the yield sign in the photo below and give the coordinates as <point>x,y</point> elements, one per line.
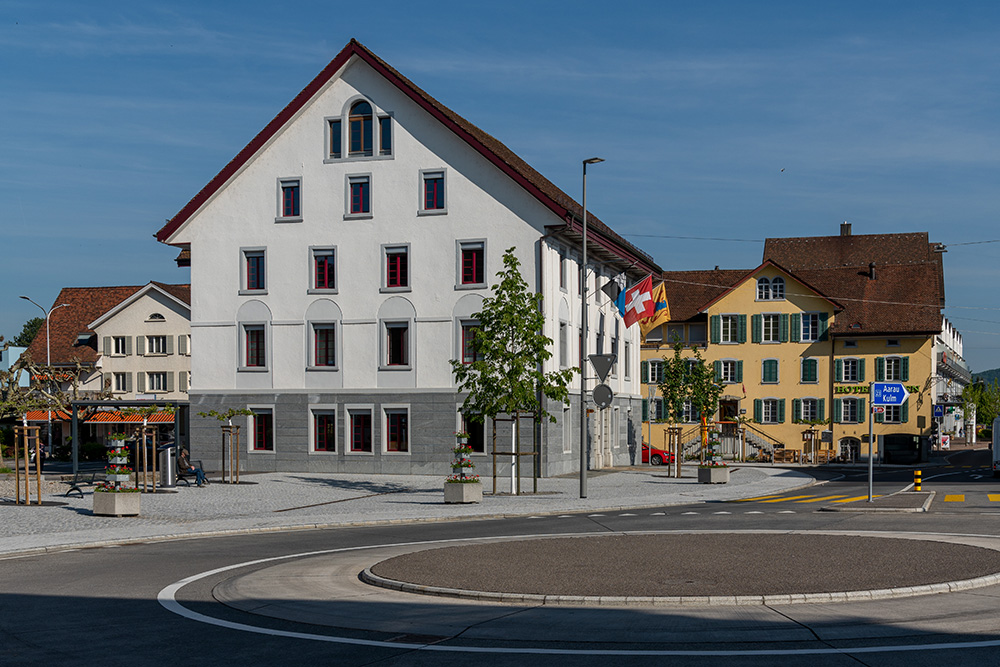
<point>889,393</point>
<point>602,364</point>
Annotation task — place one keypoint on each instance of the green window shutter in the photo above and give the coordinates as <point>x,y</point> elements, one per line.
<point>821,409</point>
<point>140,383</point>
<point>128,346</point>
<point>107,346</point>
<point>182,381</point>
<point>811,370</point>
<point>182,344</point>
<point>742,328</point>
<point>645,410</point>
<point>128,379</point>
<point>861,410</point>
<point>796,410</point>
<point>861,370</point>
<point>140,345</point>
<point>716,327</point>
<point>795,335</point>
<point>905,369</point>
<point>837,409</point>
<point>758,409</point>
<point>783,328</point>
<point>879,369</point>
<point>770,371</point>
<point>879,417</point>
<point>718,371</point>
<point>904,411</point>
<point>757,327</point>
<point>823,326</point>
<point>170,344</point>
<point>170,380</point>
<point>781,411</point>
<point>739,371</point>
<point>838,369</point>
<point>644,373</point>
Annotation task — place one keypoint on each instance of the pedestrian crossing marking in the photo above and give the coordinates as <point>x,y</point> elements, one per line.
<point>955,498</point>
<point>855,498</point>
<point>994,497</point>
<point>816,500</point>
<point>778,500</point>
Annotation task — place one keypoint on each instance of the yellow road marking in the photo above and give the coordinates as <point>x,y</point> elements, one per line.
<point>747,500</point>
<point>994,497</point>
<point>778,500</point>
<point>955,498</point>
<point>851,500</point>
<point>816,500</point>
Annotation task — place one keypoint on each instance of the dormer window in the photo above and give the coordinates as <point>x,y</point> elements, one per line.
<point>770,290</point>
<point>777,289</point>
<point>763,289</point>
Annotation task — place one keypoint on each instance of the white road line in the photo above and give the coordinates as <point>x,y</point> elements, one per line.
<point>721,512</point>
<point>754,512</point>
<point>688,512</point>
<point>626,514</point>
<point>658,514</point>
<point>787,512</point>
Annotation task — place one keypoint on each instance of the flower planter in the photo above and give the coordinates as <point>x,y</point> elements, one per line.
<point>718,475</point>
<point>116,504</point>
<point>118,478</point>
<point>118,460</point>
<point>459,492</point>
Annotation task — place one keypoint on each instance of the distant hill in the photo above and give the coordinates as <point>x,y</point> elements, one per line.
<point>988,377</point>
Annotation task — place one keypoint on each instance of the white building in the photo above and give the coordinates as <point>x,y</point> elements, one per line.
<point>951,374</point>
<point>336,264</point>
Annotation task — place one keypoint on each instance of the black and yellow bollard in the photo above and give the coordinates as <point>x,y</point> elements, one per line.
<point>916,480</point>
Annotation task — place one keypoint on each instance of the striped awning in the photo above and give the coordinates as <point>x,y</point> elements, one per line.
<point>102,417</point>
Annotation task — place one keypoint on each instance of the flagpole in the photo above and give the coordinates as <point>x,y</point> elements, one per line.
<point>583,339</point>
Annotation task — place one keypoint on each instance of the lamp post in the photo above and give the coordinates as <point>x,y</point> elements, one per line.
<point>583,339</point>
<point>48,363</point>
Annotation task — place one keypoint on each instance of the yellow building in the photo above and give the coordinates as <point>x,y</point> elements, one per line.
<point>797,341</point>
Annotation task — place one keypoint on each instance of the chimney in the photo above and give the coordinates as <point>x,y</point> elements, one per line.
<point>845,228</point>
<point>871,270</point>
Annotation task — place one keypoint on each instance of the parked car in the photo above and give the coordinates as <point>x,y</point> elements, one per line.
<point>659,456</point>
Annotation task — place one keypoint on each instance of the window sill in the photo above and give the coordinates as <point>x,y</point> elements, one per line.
<point>470,286</point>
<point>394,453</point>
<point>253,292</point>
<point>156,354</point>
<point>358,216</point>
<point>390,290</point>
<point>356,452</point>
<point>400,367</point>
<point>808,381</point>
<point>770,300</point>
<point>770,342</point>
<point>252,369</point>
<point>261,451</point>
<point>323,369</point>
<point>322,290</point>
<point>432,211</point>
<point>294,218</point>
<point>356,158</point>
<point>322,452</point>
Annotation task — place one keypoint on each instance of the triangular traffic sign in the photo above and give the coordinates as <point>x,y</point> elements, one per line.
<point>602,364</point>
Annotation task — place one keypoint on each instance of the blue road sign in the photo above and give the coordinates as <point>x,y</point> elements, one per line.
<point>938,412</point>
<point>889,393</point>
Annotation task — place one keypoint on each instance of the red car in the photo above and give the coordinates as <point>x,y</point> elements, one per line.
<point>659,456</point>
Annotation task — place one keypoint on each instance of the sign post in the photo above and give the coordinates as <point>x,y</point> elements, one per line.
<point>882,393</point>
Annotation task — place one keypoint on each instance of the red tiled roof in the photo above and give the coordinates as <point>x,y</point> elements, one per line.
<point>905,297</point>
<point>564,206</point>
<point>103,417</point>
<point>688,291</point>
<point>86,304</point>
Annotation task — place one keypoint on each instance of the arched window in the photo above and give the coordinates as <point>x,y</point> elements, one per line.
<point>156,316</point>
<point>778,288</point>
<point>763,289</point>
<point>360,124</point>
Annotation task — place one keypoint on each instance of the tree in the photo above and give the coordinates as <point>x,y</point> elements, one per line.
<point>509,347</point>
<point>689,380</point>
<point>986,398</point>
<point>28,332</point>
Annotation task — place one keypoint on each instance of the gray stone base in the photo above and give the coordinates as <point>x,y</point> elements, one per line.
<point>116,504</point>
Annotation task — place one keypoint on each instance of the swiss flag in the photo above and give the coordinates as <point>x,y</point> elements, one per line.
<point>639,302</point>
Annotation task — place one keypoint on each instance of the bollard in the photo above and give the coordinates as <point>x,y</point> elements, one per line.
<point>916,480</point>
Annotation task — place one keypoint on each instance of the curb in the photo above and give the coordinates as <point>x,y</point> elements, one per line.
<point>865,509</point>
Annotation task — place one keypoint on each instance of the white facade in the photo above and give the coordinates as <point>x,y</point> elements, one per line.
<point>255,342</point>
<point>951,374</point>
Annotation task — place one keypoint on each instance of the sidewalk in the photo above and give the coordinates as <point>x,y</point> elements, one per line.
<point>282,501</point>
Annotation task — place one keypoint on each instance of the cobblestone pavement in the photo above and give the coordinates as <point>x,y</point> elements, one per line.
<point>276,501</point>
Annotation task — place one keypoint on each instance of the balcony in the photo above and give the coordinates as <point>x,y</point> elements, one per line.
<point>950,365</point>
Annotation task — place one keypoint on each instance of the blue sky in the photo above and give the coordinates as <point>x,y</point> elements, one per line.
<point>114,114</point>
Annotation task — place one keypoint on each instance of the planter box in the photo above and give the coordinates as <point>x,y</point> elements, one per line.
<point>118,478</point>
<point>116,504</point>
<point>456,492</point>
<point>118,460</point>
<point>713,475</point>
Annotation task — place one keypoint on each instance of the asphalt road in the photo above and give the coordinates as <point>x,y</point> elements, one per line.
<point>100,605</point>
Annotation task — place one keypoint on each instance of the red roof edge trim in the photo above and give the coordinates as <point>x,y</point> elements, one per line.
<point>644,264</point>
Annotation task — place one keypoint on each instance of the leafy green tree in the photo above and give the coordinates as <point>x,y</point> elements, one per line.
<point>28,332</point>
<point>505,376</point>
<point>687,379</point>
<point>986,397</point>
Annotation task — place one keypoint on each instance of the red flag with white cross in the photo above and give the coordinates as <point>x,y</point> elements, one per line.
<point>639,302</point>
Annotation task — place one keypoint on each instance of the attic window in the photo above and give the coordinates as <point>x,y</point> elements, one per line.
<point>156,317</point>
<point>771,290</point>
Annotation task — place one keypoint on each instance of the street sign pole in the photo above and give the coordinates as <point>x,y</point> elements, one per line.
<point>871,443</point>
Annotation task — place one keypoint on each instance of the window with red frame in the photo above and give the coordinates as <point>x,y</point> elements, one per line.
<point>255,270</point>
<point>324,349</point>
<point>396,267</point>
<point>360,128</point>
<point>290,199</point>
<point>361,431</point>
<point>473,268</point>
<point>324,269</point>
<point>360,194</point>
<point>397,432</point>
<point>256,355</point>
<point>325,431</point>
<point>434,191</point>
<point>397,344</point>
<point>263,430</point>
<point>469,353</point>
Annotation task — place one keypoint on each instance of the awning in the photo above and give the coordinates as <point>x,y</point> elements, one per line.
<point>102,417</point>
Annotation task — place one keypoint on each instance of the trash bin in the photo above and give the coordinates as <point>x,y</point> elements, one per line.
<point>168,465</point>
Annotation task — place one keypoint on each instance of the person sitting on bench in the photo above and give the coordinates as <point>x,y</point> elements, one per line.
<point>184,463</point>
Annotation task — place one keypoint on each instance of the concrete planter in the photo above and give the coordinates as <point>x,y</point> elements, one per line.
<point>118,478</point>
<point>713,475</point>
<point>116,504</point>
<point>457,492</point>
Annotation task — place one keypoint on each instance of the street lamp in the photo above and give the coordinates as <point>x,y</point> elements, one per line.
<point>583,339</point>
<point>48,363</point>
